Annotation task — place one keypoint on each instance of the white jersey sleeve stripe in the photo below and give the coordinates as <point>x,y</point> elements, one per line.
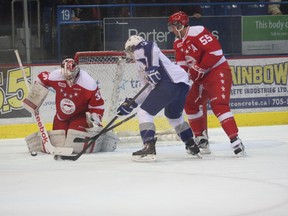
<point>96,107</point>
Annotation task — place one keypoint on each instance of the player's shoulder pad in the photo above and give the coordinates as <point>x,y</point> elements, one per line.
<point>54,75</point>
<point>195,30</point>
<point>86,81</point>
<point>143,44</point>
<point>155,46</point>
<point>177,43</point>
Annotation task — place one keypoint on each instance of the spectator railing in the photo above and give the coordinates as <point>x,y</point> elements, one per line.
<point>208,9</point>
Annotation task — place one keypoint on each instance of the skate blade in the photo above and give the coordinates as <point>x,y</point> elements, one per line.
<point>205,151</point>
<point>198,155</point>
<point>145,158</point>
<point>241,154</point>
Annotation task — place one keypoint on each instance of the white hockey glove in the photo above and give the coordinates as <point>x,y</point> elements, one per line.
<point>152,75</point>
<point>35,97</point>
<point>93,119</point>
<point>94,124</point>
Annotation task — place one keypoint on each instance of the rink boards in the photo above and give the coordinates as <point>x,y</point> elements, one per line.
<point>244,119</point>
<point>259,96</point>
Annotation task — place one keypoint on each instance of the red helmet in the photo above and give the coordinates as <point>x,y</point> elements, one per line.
<point>179,18</point>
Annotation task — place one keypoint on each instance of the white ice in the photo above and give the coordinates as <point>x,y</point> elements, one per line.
<point>108,184</point>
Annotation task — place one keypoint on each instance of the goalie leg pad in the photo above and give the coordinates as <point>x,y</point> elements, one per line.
<point>35,97</point>
<point>110,141</point>
<point>57,137</point>
<point>78,147</point>
<point>34,141</point>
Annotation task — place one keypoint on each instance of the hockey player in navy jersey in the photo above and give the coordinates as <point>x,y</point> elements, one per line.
<point>169,85</point>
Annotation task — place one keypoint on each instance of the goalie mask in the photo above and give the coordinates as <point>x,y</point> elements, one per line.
<point>130,44</point>
<point>69,71</point>
<point>178,20</point>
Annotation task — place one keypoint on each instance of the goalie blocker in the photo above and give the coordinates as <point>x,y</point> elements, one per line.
<point>106,143</point>
<point>35,97</point>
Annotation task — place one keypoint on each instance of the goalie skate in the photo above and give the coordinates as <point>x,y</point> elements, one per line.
<point>147,153</point>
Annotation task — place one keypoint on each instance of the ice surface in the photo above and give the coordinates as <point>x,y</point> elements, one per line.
<point>108,184</point>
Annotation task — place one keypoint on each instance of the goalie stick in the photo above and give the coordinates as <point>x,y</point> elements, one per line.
<point>46,143</point>
<point>104,130</point>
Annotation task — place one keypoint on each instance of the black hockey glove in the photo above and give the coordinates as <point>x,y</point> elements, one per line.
<point>152,75</point>
<point>124,109</point>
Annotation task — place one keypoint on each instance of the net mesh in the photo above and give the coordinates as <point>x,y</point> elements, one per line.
<point>117,79</point>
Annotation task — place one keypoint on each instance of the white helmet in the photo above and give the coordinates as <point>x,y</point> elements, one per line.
<point>69,70</point>
<point>133,41</point>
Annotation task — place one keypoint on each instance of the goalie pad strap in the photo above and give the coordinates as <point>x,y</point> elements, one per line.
<point>30,104</point>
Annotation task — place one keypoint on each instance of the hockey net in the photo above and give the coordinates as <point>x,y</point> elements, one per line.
<point>117,79</point>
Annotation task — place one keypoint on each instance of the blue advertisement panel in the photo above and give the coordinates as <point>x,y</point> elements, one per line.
<point>117,30</point>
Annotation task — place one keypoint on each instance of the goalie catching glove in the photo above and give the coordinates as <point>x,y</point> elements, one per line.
<point>152,75</point>
<point>93,119</point>
<point>125,108</point>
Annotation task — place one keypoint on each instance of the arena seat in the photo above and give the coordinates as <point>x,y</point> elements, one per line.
<point>207,10</point>
<point>227,9</point>
<point>254,9</point>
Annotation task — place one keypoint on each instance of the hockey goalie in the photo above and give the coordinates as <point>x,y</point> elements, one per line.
<point>79,109</point>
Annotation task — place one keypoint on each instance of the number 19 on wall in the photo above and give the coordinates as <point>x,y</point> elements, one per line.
<point>65,14</point>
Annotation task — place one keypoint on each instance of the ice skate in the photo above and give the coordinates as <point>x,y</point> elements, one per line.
<point>147,153</point>
<point>238,147</point>
<point>192,148</point>
<point>203,143</point>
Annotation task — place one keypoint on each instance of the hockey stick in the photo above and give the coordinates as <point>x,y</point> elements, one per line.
<point>81,140</point>
<point>92,139</point>
<point>46,143</point>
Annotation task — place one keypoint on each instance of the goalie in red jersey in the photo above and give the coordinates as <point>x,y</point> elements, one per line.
<point>79,109</point>
<point>201,55</point>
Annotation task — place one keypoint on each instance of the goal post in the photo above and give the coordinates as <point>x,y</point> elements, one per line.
<point>117,79</point>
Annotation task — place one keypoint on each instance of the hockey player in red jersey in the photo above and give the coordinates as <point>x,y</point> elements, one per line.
<point>201,55</point>
<point>79,105</point>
